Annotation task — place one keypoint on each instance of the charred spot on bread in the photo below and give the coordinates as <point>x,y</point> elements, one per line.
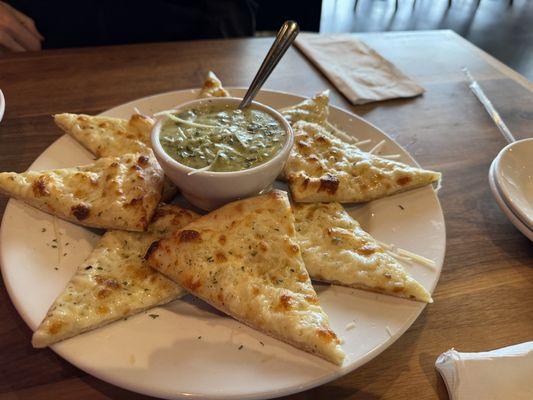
<point>190,283</point>
<point>102,309</point>
<point>162,211</point>
<point>39,187</point>
<point>311,299</point>
<point>220,257</point>
<point>209,84</point>
<point>81,211</point>
<point>322,140</point>
<point>55,327</point>
<point>292,248</point>
<point>367,249</point>
<point>102,294</point>
<point>302,144</point>
<point>329,183</point>
<point>135,201</point>
<point>188,235</point>
<point>327,335</point>
<point>143,161</point>
<point>285,303</point>
<point>398,287</point>
<point>107,282</point>
<point>153,247</point>
<point>404,180</point>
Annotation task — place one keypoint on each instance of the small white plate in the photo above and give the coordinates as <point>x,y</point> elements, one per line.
<point>513,171</point>
<point>191,350</point>
<point>494,187</point>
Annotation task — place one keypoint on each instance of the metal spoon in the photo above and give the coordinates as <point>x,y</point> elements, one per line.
<point>286,35</point>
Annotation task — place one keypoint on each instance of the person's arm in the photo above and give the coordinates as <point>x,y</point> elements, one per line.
<point>18,31</point>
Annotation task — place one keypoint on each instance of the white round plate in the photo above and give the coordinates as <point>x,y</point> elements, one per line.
<point>191,350</point>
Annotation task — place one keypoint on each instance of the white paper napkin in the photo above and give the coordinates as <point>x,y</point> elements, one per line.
<point>501,374</point>
<point>357,70</point>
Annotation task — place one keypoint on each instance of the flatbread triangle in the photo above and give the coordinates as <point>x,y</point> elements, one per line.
<point>243,260</point>
<point>106,136</point>
<point>337,250</point>
<point>112,137</point>
<point>113,282</point>
<point>111,193</point>
<point>212,87</point>
<point>315,109</point>
<point>323,168</point>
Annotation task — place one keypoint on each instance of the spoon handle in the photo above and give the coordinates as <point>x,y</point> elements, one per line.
<point>495,115</point>
<point>286,35</point>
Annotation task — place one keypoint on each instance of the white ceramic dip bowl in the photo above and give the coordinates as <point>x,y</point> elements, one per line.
<point>208,189</point>
<point>513,171</point>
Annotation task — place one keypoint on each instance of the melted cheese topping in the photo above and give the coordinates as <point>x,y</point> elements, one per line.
<point>243,260</point>
<point>324,168</point>
<point>315,109</point>
<point>112,193</point>
<point>335,249</point>
<point>407,256</point>
<point>113,282</point>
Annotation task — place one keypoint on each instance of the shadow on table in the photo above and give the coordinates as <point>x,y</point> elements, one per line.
<point>113,392</point>
<point>504,235</point>
<point>427,363</point>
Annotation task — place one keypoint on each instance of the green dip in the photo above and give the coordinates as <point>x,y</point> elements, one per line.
<point>222,138</point>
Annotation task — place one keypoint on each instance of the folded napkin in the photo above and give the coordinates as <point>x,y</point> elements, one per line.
<point>501,374</point>
<point>358,71</point>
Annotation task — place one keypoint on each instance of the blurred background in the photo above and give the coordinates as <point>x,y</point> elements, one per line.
<point>503,28</point>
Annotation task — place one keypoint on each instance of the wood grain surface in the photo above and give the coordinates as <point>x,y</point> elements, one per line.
<point>484,298</point>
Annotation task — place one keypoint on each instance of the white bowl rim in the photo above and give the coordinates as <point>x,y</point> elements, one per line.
<point>2,104</point>
<point>156,144</point>
<point>498,178</point>
<point>504,207</point>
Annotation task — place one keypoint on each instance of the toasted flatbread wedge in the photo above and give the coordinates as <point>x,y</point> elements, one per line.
<point>335,249</point>
<point>106,136</point>
<point>212,87</point>
<point>324,168</point>
<point>113,282</point>
<point>112,137</point>
<point>315,109</point>
<point>112,193</point>
<point>243,260</point>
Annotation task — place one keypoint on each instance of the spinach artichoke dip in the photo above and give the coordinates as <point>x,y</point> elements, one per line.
<point>221,138</point>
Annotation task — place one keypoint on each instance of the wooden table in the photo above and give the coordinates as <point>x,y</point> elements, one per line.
<point>484,298</point>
